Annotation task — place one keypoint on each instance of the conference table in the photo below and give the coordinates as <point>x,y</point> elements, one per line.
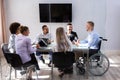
<point>76,50</point>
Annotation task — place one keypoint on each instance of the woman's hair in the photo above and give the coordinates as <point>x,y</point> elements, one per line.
<point>14,27</point>
<point>23,28</point>
<point>62,41</point>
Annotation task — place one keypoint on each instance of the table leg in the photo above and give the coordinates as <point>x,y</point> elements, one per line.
<point>87,64</point>
<point>52,72</point>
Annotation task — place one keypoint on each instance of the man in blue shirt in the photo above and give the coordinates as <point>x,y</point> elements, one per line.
<point>92,39</point>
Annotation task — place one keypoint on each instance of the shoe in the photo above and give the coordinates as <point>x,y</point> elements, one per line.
<point>41,58</point>
<point>49,64</point>
<point>60,70</point>
<point>68,70</point>
<point>61,74</point>
<point>23,72</point>
<point>37,68</point>
<point>29,78</point>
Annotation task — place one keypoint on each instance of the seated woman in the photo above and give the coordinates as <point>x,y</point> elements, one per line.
<point>25,50</point>
<point>14,29</point>
<point>63,44</point>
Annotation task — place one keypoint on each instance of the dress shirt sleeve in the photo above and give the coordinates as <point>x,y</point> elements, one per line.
<point>89,41</point>
<point>36,40</point>
<point>84,41</point>
<point>50,37</point>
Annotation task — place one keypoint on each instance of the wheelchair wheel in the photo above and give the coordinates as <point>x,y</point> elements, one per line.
<point>80,67</point>
<point>98,64</point>
<point>82,71</point>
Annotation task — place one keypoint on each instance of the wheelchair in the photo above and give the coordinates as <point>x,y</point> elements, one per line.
<point>98,63</point>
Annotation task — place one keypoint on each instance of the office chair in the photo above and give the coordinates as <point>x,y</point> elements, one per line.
<point>0,67</point>
<point>15,61</point>
<point>63,60</point>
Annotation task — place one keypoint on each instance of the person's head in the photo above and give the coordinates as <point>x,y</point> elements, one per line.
<point>45,29</point>
<point>14,28</point>
<point>24,30</point>
<point>69,27</point>
<point>61,39</point>
<point>60,34</point>
<point>90,26</point>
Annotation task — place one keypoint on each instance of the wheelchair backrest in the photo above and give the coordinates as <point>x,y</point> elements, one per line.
<point>99,45</point>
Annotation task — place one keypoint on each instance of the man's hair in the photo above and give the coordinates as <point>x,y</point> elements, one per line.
<point>91,23</point>
<point>44,26</point>
<point>69,24</point>
<point>14,27</point>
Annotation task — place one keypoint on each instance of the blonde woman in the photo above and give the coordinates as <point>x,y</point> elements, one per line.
<point>63,44</point>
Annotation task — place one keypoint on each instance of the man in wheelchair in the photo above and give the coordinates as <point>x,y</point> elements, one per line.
<point>92,42</point>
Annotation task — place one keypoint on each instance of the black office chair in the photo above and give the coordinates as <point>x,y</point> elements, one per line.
<point>1,67</point>
<point>15,61</point>
<point>63,60</point>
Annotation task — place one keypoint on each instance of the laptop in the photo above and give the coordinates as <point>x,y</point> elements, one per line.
<point>43,42</point>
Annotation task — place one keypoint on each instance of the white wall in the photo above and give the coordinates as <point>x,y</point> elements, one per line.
<point>113,25</point>
<point>27,13</point>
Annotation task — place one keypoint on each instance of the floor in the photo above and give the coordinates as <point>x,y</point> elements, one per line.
<point>45,73</point>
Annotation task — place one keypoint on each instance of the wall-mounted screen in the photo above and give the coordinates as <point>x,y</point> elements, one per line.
<point>55,12</point>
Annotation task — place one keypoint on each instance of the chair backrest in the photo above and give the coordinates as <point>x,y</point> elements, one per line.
<point>63,59</point>
<point>99,45</point>
<point>14,59</point>
<point>5,50</point>
<point>11,58</point>
<point>4,47</point>
<point>94,51</point>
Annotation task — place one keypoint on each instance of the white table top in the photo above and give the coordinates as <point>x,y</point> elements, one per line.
<point>74,47</point>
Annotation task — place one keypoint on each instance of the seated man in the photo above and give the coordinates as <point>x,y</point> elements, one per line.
<point>92,39</point>
<point>71,34</point>
<point>40,40</point>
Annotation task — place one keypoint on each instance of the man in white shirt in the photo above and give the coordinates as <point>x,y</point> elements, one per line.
<point>46,35</point>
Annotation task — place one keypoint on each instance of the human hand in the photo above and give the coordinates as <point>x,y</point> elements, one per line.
<point>49,41</point>
<point>37,46</point>
<point>77,42</point>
